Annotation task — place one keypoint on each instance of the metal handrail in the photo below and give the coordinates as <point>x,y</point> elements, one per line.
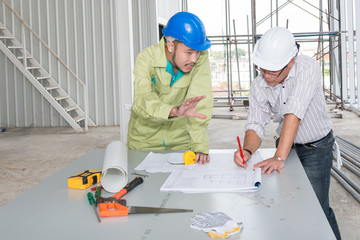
<point>56,56</point>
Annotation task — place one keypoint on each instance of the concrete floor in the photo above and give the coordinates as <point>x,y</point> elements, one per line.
<point>29,155</point>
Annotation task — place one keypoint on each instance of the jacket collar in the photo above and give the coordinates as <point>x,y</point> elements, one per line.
<point>160,60</point>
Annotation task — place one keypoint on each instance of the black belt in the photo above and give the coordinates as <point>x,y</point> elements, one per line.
<point>310,144</point>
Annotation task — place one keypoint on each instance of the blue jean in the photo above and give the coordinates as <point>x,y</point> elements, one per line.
<point>316,159</point>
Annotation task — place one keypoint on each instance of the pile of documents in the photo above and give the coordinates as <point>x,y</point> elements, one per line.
<point>220,175</point>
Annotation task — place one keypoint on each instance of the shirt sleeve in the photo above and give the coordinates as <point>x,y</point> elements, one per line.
<point>304,90</point>
<point>259,113</point>
<point>201,85</point>
<point>146,102</point>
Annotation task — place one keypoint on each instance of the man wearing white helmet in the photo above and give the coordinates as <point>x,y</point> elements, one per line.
<point>172,91</point>
<point>289,88</point>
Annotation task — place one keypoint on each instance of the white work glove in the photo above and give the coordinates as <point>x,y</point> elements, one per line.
<point>337,156</point>
<point>216,224</point>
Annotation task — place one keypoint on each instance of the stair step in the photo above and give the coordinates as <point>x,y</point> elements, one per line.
<point>15,47</point>
<point>70,108</point>
<point>22,57</point>
<point>51,88</point>
<point>44,77</point>
<point>6,37</point>
<point>2,28</point>
<point>58,98</point>
<point>79,118</point>
<point>33,67</point>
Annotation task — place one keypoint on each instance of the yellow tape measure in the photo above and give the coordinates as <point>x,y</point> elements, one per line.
<point>84,179</point>
<point>189,157</point>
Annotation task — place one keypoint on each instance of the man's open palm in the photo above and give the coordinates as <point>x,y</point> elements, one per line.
<point>188,108</point>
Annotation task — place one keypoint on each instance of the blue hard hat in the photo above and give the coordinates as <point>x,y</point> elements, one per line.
<point>187,28</point>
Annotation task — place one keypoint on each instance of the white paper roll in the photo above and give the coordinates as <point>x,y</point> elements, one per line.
<point>114,174</point>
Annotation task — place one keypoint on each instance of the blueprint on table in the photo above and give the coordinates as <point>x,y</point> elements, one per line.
<point>220,175</point>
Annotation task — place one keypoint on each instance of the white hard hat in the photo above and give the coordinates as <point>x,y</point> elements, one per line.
<point>275,49</point>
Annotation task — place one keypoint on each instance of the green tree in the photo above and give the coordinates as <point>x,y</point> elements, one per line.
<point>240,52</point>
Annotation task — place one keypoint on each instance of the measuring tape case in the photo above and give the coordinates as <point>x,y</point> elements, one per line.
<point>84,179</point>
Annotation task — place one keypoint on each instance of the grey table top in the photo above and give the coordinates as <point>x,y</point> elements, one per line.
<point>284,208</point>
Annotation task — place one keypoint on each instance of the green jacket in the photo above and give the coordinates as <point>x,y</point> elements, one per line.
<point>149,126</point>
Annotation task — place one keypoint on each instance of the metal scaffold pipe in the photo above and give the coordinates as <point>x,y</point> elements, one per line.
<point>346,141</point>
<point>248,44</point>
<point>237,57</point>
<point>347,179</point>
<point>297,34</point>
<point>352,191</point>
<point>351,168</point>
<point>350,152</point>
<point>348,147</point>
<point>350,159</point>
<point>330,39</point>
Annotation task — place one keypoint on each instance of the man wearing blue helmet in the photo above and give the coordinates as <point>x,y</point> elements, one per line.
<point>173,98</point>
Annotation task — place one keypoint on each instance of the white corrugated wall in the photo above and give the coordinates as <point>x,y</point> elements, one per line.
<point>93,38</point>
<point>147,15</point>
<point>81,33</point>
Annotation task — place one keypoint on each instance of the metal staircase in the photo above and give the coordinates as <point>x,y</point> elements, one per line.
<point>43,81</point>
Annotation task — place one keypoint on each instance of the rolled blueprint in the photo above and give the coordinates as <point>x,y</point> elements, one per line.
<point>114,174</point>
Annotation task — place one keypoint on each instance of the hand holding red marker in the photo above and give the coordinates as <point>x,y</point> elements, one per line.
<point>241,152</point>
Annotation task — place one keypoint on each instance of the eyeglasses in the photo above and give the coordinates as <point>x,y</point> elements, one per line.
<point>273,75</point>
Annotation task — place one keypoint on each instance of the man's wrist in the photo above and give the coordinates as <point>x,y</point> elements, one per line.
<point>279,158</point>
<point>247,150</point>
<point>173,112</point>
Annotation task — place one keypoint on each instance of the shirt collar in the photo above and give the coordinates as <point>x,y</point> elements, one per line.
<point>162,61</point>
<point>174,78</point>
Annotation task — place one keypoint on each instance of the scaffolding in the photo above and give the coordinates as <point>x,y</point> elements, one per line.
<point>335,48</point>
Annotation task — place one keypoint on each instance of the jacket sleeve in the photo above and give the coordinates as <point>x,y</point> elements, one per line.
<point>146,102</point>
<point>201,85</point>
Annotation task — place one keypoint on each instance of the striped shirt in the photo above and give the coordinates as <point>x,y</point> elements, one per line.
<point>301,94</point>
